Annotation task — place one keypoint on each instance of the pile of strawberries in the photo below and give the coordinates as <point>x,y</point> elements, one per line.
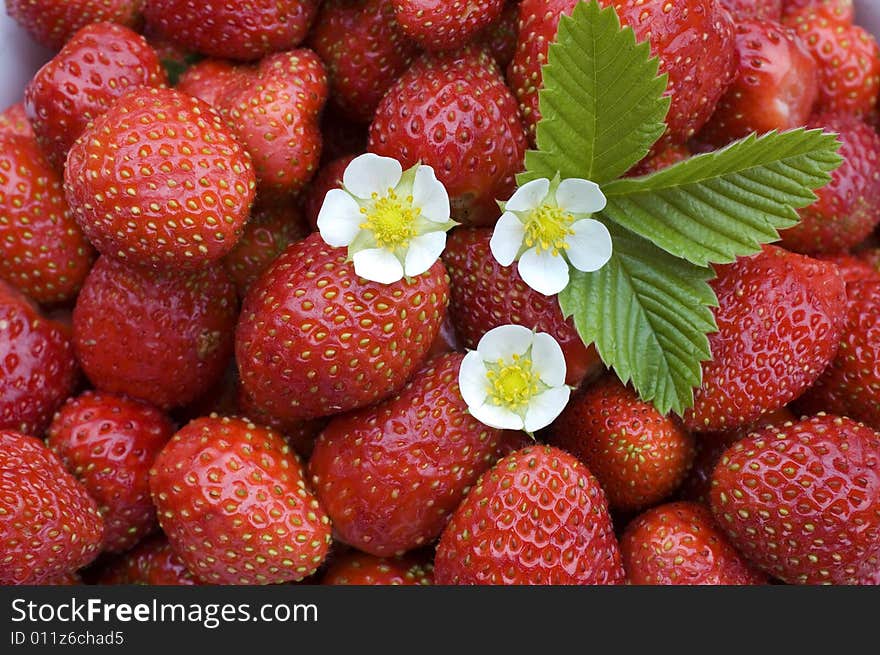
<point>161,279</point>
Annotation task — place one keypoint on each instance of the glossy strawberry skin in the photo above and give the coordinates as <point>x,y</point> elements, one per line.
<point>361,569</point>
<point>840,10</point>
<point>364,50</point>
<point>848,208</point>
<point>37,365</point>
<point>454,113</point>
<point>14,122</point>
<point>390,475</point>
<point>486,295</point>
<point>638,455</point>
<point>499,37</point>
<point>329,177</point>
<point>52,23</point>
<point>98,65</point>
<point>802,500</point>
<point>160,181</point>
<point>43,252</point>
<point>151,562</point>
<point>445,25</point>
<point>679,544</point>
<point>537,517</point>
<point>163,338</point>
<point>754,9</point>
<point>211,80</point>
<point>663,158</point>
<point>232,498</point>
<point>245,31</point>
<point>109,443</point>
<point>779,319</point>
<point>49,526</point>
<point>314,339</point>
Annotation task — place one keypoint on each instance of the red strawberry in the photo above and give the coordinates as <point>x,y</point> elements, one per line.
<point>454,113</point>
<point>486,295</point>
<point>52,22</point>
<point>775,86</point>
<point>445,25</point>
<point>665,157</point>
<point>848,208</point>
<point>109,443</point>
<point>43,252</point>
<point>848,58</point>
<point>164,338</point>
<point>274,110</point>
<point>37,366</point>
<point>99,64</point>
<point>779,321</point>
<point>232,30</point>
<point>390,475</point>
<point>299,435</point>
<point>537,517</point>
<point>802,500</point>
<point>211,80</point>
<point>329,177</point>
<point>364,51</point>
<point>48,524</point>
<point>14,122</point>
<point>232,499</point>
<point>160,181</point>
<point>500,37</point>
<point>69,579</point>
<point>361,569</point>
<point>754,9</point>
<point>314,339</point>
<point>679,544</point>
<point>152,562</point>
<point>693,39</point>
<point>852,268</point>
<point>841,10</point>
<point>638,455</point>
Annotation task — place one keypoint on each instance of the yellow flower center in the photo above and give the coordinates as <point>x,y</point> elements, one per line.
<point>513,384</point>
<point>548,228</point>
<point>391,219</point>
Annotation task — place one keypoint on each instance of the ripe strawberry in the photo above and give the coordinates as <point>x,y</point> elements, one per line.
<point>151,562</point>
<point>663,158</point>
<point>390,475</point>
<point>315,339</point>
<point>37,366</point>
<point>445,25</point>
<point>360,569</point>
<point>775,86</point>
<point>848,58</point>
<point>500,37</point>
<point>486,295</point>
<point>271,228</point>
<point>848,208</point>
<point>693,38</point>
<point>754,9</point>
<point>329,177</point>
<point>638,455</point>
<point>160,181</point>
<point>679,544</point>
<point>52,23</point>
<point>537,517</point>
<point>163,338</point>
<point>109,443</point>
<point>779,321</point>
<point>299,435</point>
<point>454,113</point>
<point>852,268</point>
<point>48,524</point>
<point>211,80</point>
<point>364,50</point>
<point>14,122</point>
<point>802,500</point>
<point>232,499</point>
<point>99,64</point>
<point>43,252</point>
<point>69,579</point>
<point>840,10</point>
<point>274,110</point>
<point>232,30</point>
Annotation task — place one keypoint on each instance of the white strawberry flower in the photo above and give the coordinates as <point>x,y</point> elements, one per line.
<point>546,226</point>
<point>394,222</point>
<point>515,379</point>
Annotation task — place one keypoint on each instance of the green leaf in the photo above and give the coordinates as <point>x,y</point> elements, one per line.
<point>648,314</point>
<point>602,103</point>
<point>720,205</point>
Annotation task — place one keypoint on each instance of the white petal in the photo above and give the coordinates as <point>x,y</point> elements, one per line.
<point>423,251</point>
<point>378,265</point>
<point>370,174</point>
<point>472,380</point>
<point>589,248</point>
<point>578,196</point>
<point>339,219</point>
<point>544,272</point>
<point>430,195</point>
<point>545,407</point>
<point>529,196</point>
<point>504,342</point>
<point>496,417</point>
<point>507,239</point>
<point>547,360</point>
